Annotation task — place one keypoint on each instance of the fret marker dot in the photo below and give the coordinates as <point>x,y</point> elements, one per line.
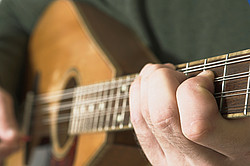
<point>102,106</point>
<point>123,88</point>
<point>119,118</point>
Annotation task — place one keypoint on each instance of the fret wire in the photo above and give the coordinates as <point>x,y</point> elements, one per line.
<point>67,118</point>
<point>204,65</point>
<point>77,119</point>
<point>109,108</point>
<point>226,78</point>
<point>73,122</point>
<point>186,69</point>
<point>188,72</point>
<point>124,104</point>
<point>219,65</point>
<point>117,101</point>
<point>247,93</point>
<point>235,94</point>
<point>66,106</point>
<point>78,112</point>
<point>95,123</point>
<point>207,67</point>
<point>102,110</point>
<point>86,120</point>
<point>48,109</point>
<point>223,83</point>
<point>92,108</point>
<point>232,76</point>
<point>83,116</point>
<point>83,110</point>
<point>218,62</point>
<point>48,96</point>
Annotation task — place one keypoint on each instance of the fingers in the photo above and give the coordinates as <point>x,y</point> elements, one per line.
<point>197,105</point>
<point>146,138</point>
<point>9,135</point>
<point>139,115</point>
<point>202,123</point>
<point>143,108</point>
<point>155,117</point>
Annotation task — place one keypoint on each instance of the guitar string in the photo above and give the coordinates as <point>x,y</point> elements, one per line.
<point>232,91</point>
<point>90,115</point>
<point>113,84</point>
<point>67,118</point>
<point>70,91</point>
<point>102,99</point>
<point>103,113</point>
<point>223,79</point>
<point>209,65</point>
<point>64,130</point>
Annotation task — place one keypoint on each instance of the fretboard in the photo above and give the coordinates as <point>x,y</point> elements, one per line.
<point>102,107</point>
<point>105,106</point>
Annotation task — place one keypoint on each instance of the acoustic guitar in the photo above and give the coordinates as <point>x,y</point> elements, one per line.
<point>81,65</point>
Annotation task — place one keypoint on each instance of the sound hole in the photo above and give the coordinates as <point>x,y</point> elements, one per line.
<point>64,113</point>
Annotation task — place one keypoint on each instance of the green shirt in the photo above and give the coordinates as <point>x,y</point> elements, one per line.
<point>176,30</point>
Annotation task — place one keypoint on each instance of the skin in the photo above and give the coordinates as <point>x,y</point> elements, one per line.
<point>9,134</point>
<point>177,121</point>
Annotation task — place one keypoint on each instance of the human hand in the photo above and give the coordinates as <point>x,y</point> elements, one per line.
<point>177,121</point>
<point>9,135</point>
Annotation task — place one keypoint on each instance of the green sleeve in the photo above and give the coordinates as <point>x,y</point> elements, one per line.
<point>17,21</point>
<point>13,43</point>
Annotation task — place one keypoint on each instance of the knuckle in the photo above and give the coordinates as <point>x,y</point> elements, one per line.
<point>189,86</point>
<point>166,120</point>
<point>146,68</point>
<point>147,65</point>
<point>162,72</point>
<point>198,130</point>
<point>190,83</point>
<point>149,68</point>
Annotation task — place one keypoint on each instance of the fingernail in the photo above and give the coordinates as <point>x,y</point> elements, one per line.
<point>207,73</point>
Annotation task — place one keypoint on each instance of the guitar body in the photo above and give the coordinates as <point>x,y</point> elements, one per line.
<point>72,45</point>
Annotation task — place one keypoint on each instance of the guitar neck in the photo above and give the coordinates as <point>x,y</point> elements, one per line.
<point>102,107</point>
<point>105,106</point>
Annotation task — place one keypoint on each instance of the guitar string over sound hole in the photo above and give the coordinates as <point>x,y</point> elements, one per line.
<point>64,114</point>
